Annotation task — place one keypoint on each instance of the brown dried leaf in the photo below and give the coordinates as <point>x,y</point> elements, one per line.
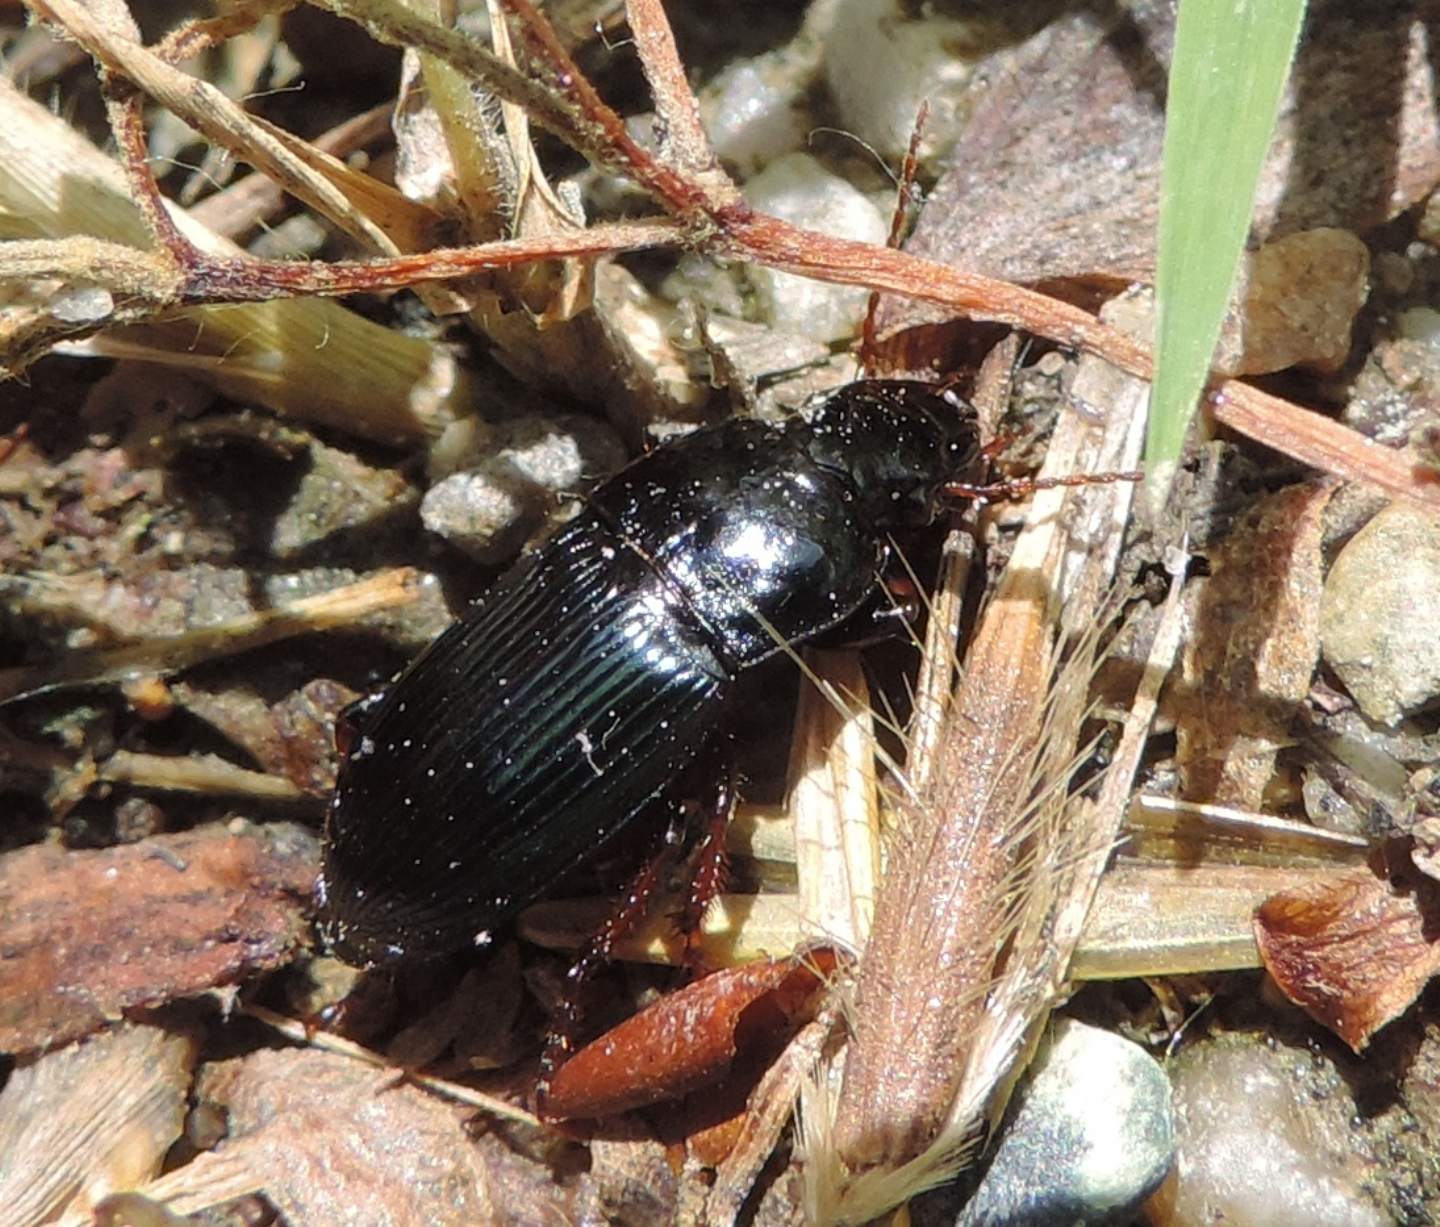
<point>88,935</point>
<point>1056,173</point>
<point>77,1123</point>
<point>1255,644</point>
<point>1355,950</point>
<point>477,1019</point>
<point>691,1038</point>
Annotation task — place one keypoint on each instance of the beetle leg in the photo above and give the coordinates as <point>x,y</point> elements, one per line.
<point>710,867</point>
<point>350,721</point>
<point>634,903</point>
<point>1006,491</point>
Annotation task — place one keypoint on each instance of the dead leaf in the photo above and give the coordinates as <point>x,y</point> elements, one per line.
<point>1353,951</point>
<point>691,1038</point>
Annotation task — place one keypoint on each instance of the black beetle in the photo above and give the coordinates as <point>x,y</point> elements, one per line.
<point>577,690</point>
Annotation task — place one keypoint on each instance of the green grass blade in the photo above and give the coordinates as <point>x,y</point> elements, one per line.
<point>1226,80</point>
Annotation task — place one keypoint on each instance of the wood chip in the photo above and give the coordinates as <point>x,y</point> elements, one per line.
<point>84,1121</point>
<point>1249,665</point>
<point>87,935</point>
<point>331,1140</point>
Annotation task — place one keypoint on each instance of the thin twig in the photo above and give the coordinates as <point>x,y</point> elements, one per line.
<point>713,216</point>
<point>295,1030</point>
<point>686,197</point>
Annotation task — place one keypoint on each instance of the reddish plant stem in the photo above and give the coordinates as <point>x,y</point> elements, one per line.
<point>683,195</point>
<point>1310,437</point>
<point>123,110</point>
<point>211,280</point>
<point>676,107</point>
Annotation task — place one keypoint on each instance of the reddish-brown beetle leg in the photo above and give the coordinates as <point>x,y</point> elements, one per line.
<point>710,869</point>
<point>634,904</point>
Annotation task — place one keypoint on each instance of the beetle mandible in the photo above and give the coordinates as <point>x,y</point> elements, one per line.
<point>580,687</point>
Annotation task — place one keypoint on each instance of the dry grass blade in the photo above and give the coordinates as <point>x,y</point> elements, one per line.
<point>340,606</point>
<point>198,773</point>
<point>313,359</point>
<point>321,181</point>
<point>685,141</point>
<point>833,801</point>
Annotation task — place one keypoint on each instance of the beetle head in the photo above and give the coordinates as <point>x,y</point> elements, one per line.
<point>897,441</point>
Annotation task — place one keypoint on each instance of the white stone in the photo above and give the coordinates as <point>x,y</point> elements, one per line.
<point>881,63</point>
<point>751,112</point>
<point>799,190</point>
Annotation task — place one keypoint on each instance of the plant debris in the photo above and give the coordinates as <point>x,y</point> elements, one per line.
<point>91,934</point>
<point>1353,950</point>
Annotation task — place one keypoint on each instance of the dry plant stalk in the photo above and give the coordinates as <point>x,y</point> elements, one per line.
<point>832,802</point>
<point>928,960</point>
<point>706,206</point>
<point>341,606</point>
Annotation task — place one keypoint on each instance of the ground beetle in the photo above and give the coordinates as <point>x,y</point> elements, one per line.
<point>575,693</point>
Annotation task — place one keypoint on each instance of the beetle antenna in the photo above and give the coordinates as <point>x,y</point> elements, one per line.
<point>1008,491</point>
<point>904,199</point>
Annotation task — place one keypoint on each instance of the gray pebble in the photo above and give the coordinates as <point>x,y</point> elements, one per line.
<point>491,507</point>
<point>1089,1137</point>
<point>1379,616</point>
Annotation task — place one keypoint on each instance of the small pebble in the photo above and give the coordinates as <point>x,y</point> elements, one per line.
<point>799,190</point>
<point>752,112</point>
<point>882,62</point>
<point>1301,296</point>
<point>490,509</point>
<point>1090,1136</point>
<point>1265,1139</point>
<point>1427,229</point>
<point>338,493</point>
<point>1379,616</point>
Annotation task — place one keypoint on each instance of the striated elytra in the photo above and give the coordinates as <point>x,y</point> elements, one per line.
<point>574,694</point>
